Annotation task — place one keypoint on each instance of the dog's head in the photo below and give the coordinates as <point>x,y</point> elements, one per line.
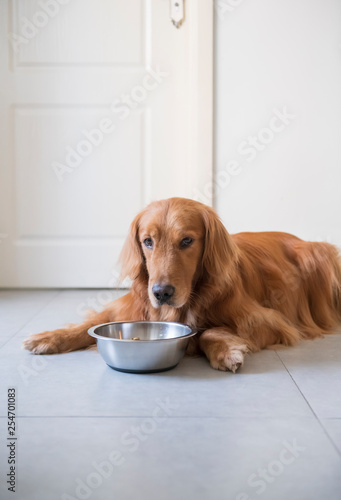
<point>175,244</point>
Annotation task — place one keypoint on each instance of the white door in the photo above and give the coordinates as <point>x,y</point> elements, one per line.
<point>106,105</point>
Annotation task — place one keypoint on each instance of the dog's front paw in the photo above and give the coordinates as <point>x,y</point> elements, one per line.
<point>229,358</point>
<point>42,343</point>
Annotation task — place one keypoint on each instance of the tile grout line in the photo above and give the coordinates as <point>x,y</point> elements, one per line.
<point>311,409</point>
<point>58,292</point>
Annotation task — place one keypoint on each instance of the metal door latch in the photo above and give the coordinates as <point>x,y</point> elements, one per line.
<point>177,12</point>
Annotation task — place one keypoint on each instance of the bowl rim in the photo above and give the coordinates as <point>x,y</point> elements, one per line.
<point>91,331</point>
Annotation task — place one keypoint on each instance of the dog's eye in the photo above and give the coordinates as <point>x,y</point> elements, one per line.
<point>148,242</point>
<point>186,242</point>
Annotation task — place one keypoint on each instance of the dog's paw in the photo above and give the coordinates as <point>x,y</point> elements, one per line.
<point>229,359</point>
<point>42,343</point>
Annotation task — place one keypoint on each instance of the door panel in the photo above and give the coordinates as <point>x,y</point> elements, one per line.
<point>81,32</point>
<point>98,119</point>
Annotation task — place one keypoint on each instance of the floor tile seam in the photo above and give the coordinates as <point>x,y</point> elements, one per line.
<point>309,405</point>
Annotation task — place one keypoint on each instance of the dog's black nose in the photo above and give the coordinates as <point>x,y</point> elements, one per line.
<point>163,292</point>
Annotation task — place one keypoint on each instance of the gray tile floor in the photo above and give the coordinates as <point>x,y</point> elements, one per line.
<point>271,431</point>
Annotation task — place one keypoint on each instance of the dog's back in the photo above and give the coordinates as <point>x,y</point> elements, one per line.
<point>299,278</point>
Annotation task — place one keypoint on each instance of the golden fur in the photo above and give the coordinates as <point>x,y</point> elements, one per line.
<point>242,292</point>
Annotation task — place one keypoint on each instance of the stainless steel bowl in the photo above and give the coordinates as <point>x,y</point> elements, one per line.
<point>142,346</point>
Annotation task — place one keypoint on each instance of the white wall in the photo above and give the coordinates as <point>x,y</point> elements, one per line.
<point>274,55</point>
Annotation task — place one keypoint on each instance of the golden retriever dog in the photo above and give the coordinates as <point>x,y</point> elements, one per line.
<point>242,292</point>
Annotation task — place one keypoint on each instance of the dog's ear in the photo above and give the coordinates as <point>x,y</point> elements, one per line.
<point>220,252</point>
<point>131,257</point>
